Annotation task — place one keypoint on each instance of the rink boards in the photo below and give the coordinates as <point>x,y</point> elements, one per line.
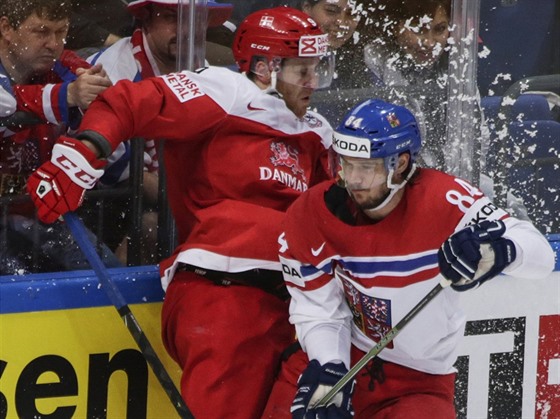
<point>64,348</point>
<point>63,330</point>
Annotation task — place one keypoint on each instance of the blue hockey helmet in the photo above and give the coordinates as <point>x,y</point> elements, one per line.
<point>378,129</point>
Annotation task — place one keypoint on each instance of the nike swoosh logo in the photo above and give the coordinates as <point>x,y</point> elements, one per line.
<point>316,252</point>
<point>252,108</point>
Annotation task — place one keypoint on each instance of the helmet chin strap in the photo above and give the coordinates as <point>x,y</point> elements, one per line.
<point>273,79</point>
<point>393,188</point>
<point>271,89</point>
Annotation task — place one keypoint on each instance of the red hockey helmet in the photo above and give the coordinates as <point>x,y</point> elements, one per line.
<point>281,32</point>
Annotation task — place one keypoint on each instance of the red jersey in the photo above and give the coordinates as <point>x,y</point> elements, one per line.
<point>236,158</point>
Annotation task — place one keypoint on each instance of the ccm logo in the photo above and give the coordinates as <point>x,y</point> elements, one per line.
<point>74,171</point>
<point>260,47</point>
<point>403,144</point>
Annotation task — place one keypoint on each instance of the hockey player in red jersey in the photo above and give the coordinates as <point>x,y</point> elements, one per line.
<point>239,149</point>
<point>359,254</point>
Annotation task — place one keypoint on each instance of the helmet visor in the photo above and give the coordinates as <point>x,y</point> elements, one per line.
<point>362,174</point>
<point>312,72</point>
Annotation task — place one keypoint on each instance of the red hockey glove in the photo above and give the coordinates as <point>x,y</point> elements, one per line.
<point>58,186</point>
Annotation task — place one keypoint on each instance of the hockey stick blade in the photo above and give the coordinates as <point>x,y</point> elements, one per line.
<point>383,342</point>
<point>108,285</point>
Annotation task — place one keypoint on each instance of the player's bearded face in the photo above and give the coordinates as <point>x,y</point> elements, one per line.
<point>366,180</point>
<point>297,79</point>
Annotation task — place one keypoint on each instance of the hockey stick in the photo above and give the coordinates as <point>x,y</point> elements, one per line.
<point>78,232</point>
<point>384,341</point>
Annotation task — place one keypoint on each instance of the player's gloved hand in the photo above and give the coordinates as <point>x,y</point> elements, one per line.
<point>475,254</point>
<point>313,384</point>
<point>58,186</point>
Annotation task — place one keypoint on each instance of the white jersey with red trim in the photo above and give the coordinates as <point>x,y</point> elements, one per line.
<point>350,284</point>
<point>236,158</point>
<point>129,58</point>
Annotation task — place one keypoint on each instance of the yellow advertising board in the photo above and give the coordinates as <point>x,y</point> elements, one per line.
<point>80,362</point>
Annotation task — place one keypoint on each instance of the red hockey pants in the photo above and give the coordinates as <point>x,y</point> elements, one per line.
<point>228,341</point>
<point>405,393</point>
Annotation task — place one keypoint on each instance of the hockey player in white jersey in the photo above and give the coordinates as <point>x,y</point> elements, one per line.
<point>359,254</point>
<point>239,149</point>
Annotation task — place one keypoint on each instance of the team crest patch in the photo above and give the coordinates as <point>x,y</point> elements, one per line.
<point>371,315</point>
<point>266,21</point>
<point>284,155</point>
<point>312,121</point>
<point>182,86</point>
<point>393,120</point>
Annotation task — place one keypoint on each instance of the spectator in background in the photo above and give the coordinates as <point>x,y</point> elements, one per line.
<point>406,48</point>
<point>96,24</point>
<point>407,52</point>
<point>376,50</point>
<point>408,44</point>
<point>150,51</point>
<point>53,86</point>
<point>152,48</point>
<point>338,19</point>
<point>32,53</point>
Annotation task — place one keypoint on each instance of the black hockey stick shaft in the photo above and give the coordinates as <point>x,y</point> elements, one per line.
<point>115,296</point>
<point>383,342</point>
